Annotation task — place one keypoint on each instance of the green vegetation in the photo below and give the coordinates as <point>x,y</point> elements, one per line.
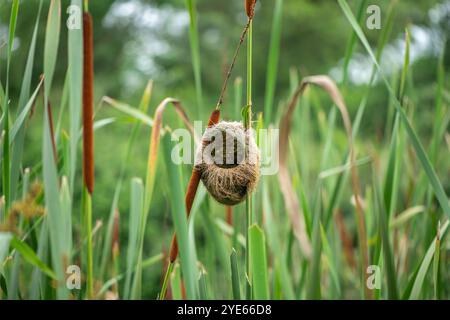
<point>359,208</point>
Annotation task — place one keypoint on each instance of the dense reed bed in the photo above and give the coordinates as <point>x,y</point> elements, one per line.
<point>340,219</point>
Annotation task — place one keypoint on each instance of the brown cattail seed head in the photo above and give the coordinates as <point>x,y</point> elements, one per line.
<point>250,8</point>
<point>88,102</point>
<point>228,161</point>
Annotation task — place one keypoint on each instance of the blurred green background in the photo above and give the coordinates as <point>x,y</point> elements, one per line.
<point>138,40</point>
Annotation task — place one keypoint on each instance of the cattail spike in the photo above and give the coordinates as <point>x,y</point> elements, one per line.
<point>214,118</point>
<point>229,215</point>
<point>173,249</point>
<point>88,102</point>
<point>250,8</point>
<point>116,233</point>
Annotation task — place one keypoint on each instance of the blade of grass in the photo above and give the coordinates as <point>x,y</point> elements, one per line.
<point>351,44</point>
<point>229,231</point>
<point>180,220</point>
<point>86,203</point>
<point>195,51</point>
<point>341,169</point>
<point>21,118</point>
<point>313,289</point>
<point>2,96</point>
<point>203,290</point>
<point>151,168</point>
<point>147,263</point>
<point>16,272</point>
<point>143,107</point>
<point>235,282</point>
<point>136,204</point>
<point>37,281</point>
<point>273,238</point>
<point>6,148</point>
<point>176,284</point>
<point>436,261</point>
<point>405,216</point>
<point>237,97</point>
<point>17,148</point>
<point>75,61</point>
<point>388,257</point>
<point>272,63</point>
<point>51,184</point>
<point>30,256</point>
<point>126,109</point>
<point>63,106</point>
<point>258,263</point>
<point>106,253</point>
<point>439,117</point>
<point>5,239</point>
<point>417,145</point>
<point>285,182</point>
<point>66,221</point>
<point>384,36</point>
<point>247,119</point>
<point>396,150</point>
<point>216,238</point>
<point>419,279</point>
<point>330,260</point>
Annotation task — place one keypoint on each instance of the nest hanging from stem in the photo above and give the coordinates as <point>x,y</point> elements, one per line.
<point>228,161</point>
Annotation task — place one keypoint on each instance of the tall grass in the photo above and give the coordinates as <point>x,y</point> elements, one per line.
<point>312,233</point>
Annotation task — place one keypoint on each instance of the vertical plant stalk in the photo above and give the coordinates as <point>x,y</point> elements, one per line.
<point>88,140</point>
<point>214,119</point>
<point>233,63</point>
<point>115,250</point>
<point>247,120</point>
<point>195,51</point>
<point>195,177</point>
<point>229,215</point>
<point>272,63</point>
<point>289,194</point>
<point>6,169</point>
<point>189,201</point>
<point>52,130</point>
<point>248,124</point>
<point>151,165</point>
<point>75,62</point>
<point>88,102</point>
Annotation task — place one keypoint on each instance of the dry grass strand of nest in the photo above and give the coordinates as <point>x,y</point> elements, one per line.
<point>229,168</point>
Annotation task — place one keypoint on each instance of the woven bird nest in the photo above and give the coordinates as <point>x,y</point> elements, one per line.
<point>228,161</point>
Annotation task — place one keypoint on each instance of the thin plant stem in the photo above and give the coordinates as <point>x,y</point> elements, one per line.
<point>87,207</point>
<point>248,125</point>
<point>162,294</point>
<point>88,140</point>
<point>249,73</point>
<point>233,63</point>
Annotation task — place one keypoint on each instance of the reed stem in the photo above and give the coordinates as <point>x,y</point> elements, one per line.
<point>248,125</point>
<point>162,294</point>
<point>87,208</point>
<point>88,140</point>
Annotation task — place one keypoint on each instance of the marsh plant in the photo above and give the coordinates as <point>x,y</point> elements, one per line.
<point>285,193</point>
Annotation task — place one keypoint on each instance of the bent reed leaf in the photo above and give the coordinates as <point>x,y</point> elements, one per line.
<point>88,102</point>
<point>287,188</point>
